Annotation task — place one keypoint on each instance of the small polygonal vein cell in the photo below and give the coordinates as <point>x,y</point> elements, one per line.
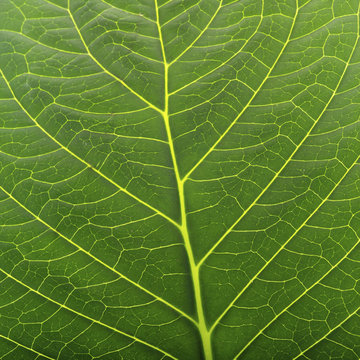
<point>179,179</point>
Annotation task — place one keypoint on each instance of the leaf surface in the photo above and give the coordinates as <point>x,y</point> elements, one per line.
<point>179,179</point>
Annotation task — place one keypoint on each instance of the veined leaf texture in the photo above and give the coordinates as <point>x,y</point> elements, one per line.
<point>179,179</point>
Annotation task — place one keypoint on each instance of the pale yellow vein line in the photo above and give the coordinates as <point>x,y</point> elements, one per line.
<point>248,103</point>
<point>280,170</point>
<point>128,48</point>
<point>127,11</point>
<point>200,34</point>
<point>173,307</point>
<point>99,113</point>
<point>328,333</point>
<point>261,16</point>
<point>103,68</point>
<point>57,77</point>
<point>53,4</point>
<point>299,297</point>
<point>341,345</point>
<point>278,251</point>
<point>42,44</point>
<point>26,347</point>
<point>194,270</point>
<point>63,306</point>
<point>317,208</point>
<point>83,161</point>
<point>181,13</point>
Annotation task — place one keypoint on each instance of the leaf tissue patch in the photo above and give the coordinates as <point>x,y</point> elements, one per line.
<point>179,179</point>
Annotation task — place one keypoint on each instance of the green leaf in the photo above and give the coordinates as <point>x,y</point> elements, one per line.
<point>179,179</point>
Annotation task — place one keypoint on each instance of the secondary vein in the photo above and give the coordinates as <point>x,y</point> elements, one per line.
<point>103,68</point>
<point>173,307</point>
<point>63,306</point>
<point>312,213</point>
<point>82,160</point>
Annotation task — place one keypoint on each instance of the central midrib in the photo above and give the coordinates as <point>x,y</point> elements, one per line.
<point>194,269</point>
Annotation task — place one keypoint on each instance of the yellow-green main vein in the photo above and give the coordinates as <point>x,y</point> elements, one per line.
<point>194,270</point>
